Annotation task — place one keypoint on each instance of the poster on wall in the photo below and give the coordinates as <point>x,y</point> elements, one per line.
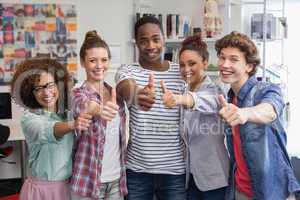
<point>36,30</point>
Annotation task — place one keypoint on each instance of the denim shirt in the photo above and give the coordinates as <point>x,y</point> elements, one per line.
<point>263,145</point>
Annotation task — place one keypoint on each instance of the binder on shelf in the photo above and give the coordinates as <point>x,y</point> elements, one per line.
<point>169,26</point>
<point>177,25</point>
<point>173,26</point>
<point>257,25</point>
<point>186,26</point>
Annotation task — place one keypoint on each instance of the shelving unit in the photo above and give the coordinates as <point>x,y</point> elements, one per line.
<point>273,67</point>
<point>271,47</point>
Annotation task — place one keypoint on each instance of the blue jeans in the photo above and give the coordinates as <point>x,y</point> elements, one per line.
<point>143,186</point>
<point>194,193</point>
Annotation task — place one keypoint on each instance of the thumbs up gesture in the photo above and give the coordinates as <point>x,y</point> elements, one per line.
<point>110,108</point>
<point>169,98</point>
<point>82,122</point>
<point>232,114</point>
<point>146,96</point>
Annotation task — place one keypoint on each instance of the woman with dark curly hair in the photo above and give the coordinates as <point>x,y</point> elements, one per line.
<point>207,163</point>
<point>42,86</point>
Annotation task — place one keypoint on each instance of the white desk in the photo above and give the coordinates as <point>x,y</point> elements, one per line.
<point>16,134</point>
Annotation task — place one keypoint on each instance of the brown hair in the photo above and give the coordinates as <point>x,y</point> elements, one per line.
<point>93,40</point>
<point>28,73</point>
<point>244,44</point>
<point>195,43</point>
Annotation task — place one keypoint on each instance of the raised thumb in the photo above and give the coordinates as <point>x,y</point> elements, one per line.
<point>151,80</point>
<point>222,100</point>
<point>163,87</point>
<point>114,95</point>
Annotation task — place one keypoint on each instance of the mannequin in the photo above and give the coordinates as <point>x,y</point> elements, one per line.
<point>212,19</point>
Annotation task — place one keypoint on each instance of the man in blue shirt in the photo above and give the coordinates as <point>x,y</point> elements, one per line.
<point>256,138</point>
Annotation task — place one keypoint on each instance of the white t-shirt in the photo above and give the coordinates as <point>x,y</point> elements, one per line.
<point>111,155</point>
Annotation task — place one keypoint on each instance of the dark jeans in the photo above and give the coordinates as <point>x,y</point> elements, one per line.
<point>143,186</point>
<point>194,193</point>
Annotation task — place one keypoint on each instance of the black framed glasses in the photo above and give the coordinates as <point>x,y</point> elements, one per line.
<point>47,86</point>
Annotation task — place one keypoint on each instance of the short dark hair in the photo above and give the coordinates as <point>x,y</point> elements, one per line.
<point>148,19</point>
<point>93,40</point>
<point>28,73</point>
<point>244,44</point>
<point>195,43</point>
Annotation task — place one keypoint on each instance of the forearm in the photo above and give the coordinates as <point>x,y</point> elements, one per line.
<point>62,128</point>
<point>186,100</point>
<point>263,113</point>
<point>127,89</point>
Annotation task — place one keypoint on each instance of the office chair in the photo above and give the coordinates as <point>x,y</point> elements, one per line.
<point>7,187</point>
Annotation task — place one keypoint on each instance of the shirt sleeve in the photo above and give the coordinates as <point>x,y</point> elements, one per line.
<point>38,128</point>
<point>206,100</point>
<point>272,94</point>
<point>79,102</point>
<point>123,72</point>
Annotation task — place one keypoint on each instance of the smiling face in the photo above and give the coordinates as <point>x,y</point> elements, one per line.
<point>192,67</point>
<point>96,62</point>
<point>46,92</point>
<point>233,67</point>
<point>150,42</point>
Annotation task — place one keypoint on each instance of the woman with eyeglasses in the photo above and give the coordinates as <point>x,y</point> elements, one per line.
<point>42,87</point>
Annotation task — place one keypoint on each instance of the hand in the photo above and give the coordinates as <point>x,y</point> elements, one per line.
<point>111,108</point>
<point>146,96</point>
<point>82,122</point>
<point>169,99</point>
<point>232,114</point>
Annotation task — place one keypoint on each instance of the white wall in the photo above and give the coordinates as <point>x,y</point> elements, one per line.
<point>292,60</point>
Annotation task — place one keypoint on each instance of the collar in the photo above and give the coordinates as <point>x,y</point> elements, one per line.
<point>91,90</point>
<point>206,81</point>
<point>44,112</point>
<point>252,81</point>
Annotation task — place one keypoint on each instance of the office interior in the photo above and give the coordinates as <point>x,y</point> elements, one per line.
<point>114,21</point>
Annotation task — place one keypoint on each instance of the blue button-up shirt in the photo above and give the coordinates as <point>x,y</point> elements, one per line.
<point>263,145</point>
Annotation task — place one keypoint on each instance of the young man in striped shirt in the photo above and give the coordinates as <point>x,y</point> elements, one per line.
<point>155,160</point>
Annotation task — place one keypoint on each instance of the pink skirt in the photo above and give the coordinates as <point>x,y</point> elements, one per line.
<point>34,189</point>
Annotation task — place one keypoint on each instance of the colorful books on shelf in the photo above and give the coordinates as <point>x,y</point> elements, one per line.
<point>174,26</point>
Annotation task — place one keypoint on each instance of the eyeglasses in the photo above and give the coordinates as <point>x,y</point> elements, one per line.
<point>48,86</point>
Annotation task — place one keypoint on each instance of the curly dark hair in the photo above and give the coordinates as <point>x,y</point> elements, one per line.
<point>93,40</point>
<point>244,44</point>
<point>195,43</point>
<point>28,73</point>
